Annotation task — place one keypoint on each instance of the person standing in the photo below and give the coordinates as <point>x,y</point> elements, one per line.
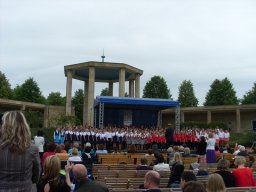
<point>20,163</point>
<point>169,135</point>
<point>210,149</point>
<point>39,142</point>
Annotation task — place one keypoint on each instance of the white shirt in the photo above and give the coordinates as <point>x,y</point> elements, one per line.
<point>39,142</point>
<point>75,159</point>
<point>210,144</point>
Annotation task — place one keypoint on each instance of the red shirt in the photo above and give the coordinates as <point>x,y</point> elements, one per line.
<point>243,177</point>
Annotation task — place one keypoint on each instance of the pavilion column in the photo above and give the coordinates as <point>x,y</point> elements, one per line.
<point>238,120</point>
<point>69,93</point>
<point>209,116</point>
<point>85,107</point>
<point>110,88</point>
<point>182,115</point>
<point>90,96</point>
<point>137,86</point>
<point>121,82</point>
<point>131,88</point>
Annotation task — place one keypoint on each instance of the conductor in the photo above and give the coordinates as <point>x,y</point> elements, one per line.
<point>169,135</point>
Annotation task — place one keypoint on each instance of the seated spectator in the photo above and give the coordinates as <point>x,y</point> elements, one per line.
<point>75,156</point>
<point>242,152</point>
<point>227,176</point>
<point>175,176</point>
<point>143,165</point>
<point>170,152</point>
<point>194,186</point>
<point>101,150</point>
<point>176,159</point>
<point>237,150</point>
<point>217,150</point>
<point>243,175</point>
<point>187,153</point>
<point>152,181</point>
<point>60,154</point>
<point>75,145</point>
<point>50,180</point>
<point>150,153</point>
<point>85,184</point>
<point>215,183</point>
<point>63,148</point>
<point>161,166</point>
<point>187,176</point>
<point>50,150</point>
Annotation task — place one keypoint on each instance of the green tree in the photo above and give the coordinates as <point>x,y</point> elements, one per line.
<point>5,87</point>
<point>77,102</point>
<point>156,87</point>
<point>104,92</point>
<point>55,98</point>
<point>221,93</point>
<point>187,96</point>
<point>250,96</point>
<point>29,91</point>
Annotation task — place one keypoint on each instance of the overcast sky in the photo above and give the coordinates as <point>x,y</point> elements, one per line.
<point>195,40</point>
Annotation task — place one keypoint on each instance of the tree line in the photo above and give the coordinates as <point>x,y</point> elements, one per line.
<point>221,92</point>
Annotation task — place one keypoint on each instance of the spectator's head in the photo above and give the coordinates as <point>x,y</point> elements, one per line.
<point>58,149</point>
<point>101,147</point>
<point>177,157</point>
<point>152,180</point>
<point>74,152</point>
<point>15,132</point>
<point>51,147</point>
<point>242,148</point>
<point>143,161</point>
<point>80,172</point>
<point>193,186</point>
<point>76,145</point>
<point>88,145</point>
<point>202,139</point>
<point>187,176</point>
<point>170,150</point>
<point>223,164</point>
<point>215,183</point>
<point>51,167</point>
<point>160,158</point>
<point>186,150</point>
<point>239,161</point>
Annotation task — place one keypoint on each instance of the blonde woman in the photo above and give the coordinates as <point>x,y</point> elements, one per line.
<point>20,164</point>
<point>50,181</point>
<point>177,158</point>
<point>215,183</point>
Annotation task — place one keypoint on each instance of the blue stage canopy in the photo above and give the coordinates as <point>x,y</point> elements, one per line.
<point>158,103</point>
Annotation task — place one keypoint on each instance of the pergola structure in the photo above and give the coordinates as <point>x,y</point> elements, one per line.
<point>91,72</point>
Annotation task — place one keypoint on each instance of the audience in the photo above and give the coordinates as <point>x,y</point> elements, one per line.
<point>152,181</point>
<point>161,165</point>
<point>243,175</point>
<point>80,176</point>
<point>75,156</point>
<point>227,176</point>
<point>176,159</point>
<point>20,163</point>
<point>50,181</point>
<point>51,147</point>
<point>143,165</point>
<point>215,183</point>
